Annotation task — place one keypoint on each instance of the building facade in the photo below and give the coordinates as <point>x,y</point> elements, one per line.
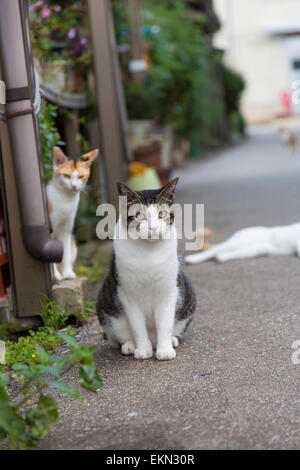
<point>261,39</point>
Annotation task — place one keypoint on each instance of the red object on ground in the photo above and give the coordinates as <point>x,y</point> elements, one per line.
<point>286,100</point>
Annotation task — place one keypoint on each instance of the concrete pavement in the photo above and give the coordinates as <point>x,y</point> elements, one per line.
<point>233,384</point>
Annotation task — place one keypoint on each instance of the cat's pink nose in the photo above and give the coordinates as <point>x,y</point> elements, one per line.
<point>153,229</point>
<point>74,186</point>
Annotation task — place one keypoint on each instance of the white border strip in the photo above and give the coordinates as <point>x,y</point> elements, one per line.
<point>2,92</point>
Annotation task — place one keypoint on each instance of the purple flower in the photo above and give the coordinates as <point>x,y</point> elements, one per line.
<point>57,35</point>
<point>46,12</point>
<point>57,8</point>
<point>77,47</point>
<point>72,33</point>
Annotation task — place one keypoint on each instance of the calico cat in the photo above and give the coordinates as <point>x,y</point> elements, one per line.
<point>252,242</point>
<point>63,194</point>
<point>146,301</point>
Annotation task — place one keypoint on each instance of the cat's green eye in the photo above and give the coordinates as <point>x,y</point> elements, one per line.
<point>66,175</point>
<point>81,177</point>
<point>139,216</point>
<point>162,214</point>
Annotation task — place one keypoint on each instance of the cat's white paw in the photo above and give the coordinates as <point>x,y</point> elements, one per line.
<point>143,352</point>
<point>69,275</point>
<point>56,273</point>
<point>128,348</point>
<point>175,342</point>
<point>58,276</point>
<point>165,354</point>
<point>222,258</point>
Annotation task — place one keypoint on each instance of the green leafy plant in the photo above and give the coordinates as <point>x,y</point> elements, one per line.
<point>121,20</point>
<point>182,87</point>
<point>57,33</point>
<point>179,88</point>
<point>84,314</point>
<point>4,330</point>
<point>234,85</point>
<point>49,135</point>
<point>54,316</point>
<point>93,272</point>
<point>90,307</point>
<point>23,350</point>
<point>28,420</point>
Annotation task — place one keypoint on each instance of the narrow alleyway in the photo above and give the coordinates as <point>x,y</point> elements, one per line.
<point>233,384</point>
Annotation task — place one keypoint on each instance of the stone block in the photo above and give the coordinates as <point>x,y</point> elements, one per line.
<point>70,292</point>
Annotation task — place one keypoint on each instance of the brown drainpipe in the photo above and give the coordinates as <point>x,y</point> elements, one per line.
<point>14,52</point>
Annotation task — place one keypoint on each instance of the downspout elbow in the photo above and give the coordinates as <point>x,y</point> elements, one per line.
<point>40,246</point>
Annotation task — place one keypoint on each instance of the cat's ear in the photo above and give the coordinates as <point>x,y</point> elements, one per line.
<point>59,158</point>
<point>132,196</point>
<point>89,157</point>
<point>167,192</point>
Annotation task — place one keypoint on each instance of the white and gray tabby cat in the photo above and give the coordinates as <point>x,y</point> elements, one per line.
<point>146,301</point>
<point>63,194</point>
<point>252,242</point>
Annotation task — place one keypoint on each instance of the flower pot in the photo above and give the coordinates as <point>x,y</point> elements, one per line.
<point>54,74</point>
<point>146,180</point>
<point>149,154</point>
<point>62,77</point>
<point>140,129</point>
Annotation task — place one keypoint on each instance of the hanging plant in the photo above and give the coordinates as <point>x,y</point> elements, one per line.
<point>59,38</point>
